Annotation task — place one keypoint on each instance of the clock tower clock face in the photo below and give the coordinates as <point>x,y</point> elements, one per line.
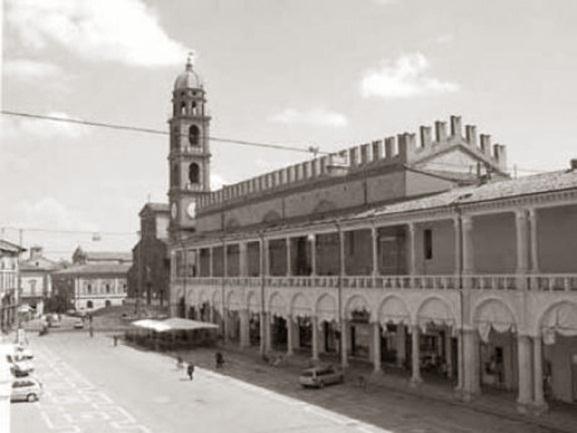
<point>191,210</point>
<point>173,210</point>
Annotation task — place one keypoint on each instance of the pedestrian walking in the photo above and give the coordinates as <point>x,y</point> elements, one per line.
<point>190,370</point>
<point>179,363</point>
<point>115,338</point>
<point>219,359</point>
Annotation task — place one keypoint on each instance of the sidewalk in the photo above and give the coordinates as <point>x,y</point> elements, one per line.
<point>247,362</point>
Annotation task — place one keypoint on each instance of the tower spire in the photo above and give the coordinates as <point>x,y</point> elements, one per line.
<point>189,60</point>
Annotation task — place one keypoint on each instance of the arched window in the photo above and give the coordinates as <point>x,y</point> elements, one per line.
<point>107,303</point>
<point>194,135</point>
<point>89,304</point>
<point>182,108</point>
<point>194,173</point>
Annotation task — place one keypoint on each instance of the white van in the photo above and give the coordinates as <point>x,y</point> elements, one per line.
<point>26,389</point>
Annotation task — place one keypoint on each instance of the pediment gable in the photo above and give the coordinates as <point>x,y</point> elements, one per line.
<point>459,159</point>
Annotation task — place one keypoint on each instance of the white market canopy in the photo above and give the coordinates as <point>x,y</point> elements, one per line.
<point>173,324</point>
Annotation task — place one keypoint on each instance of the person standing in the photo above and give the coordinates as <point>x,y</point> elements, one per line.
<point>190,370</point>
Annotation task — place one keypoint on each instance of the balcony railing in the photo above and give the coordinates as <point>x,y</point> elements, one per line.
<point>533,282</point>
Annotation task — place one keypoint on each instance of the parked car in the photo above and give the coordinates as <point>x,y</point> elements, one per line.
<point>19,367</point>
<point>320,376</point>
<point>79,324</point>
<point>23,353</point>
<point>26,389</point>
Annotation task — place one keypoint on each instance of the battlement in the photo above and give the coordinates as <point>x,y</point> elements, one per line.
<point>403,149</point>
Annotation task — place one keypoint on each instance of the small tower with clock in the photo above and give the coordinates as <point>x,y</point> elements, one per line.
<point>189,156</point>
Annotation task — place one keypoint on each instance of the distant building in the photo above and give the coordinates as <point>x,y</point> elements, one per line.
<point>36,280</point>
<point>150,272</point>
<point>95,280</point>
<point>9,274</point>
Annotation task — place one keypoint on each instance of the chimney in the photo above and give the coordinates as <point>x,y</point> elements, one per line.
<point>441,131</point>
<point>426,136</point>
<point>471,135</point>
<point>456,128</point>
<point>35,252</point>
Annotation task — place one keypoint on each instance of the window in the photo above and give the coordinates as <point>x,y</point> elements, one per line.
<point>193,173</point>
<point>194,135</point>
<point>89,304</point>
<point>108,288</point>
<point>428,243</point>
<point>89,288</point>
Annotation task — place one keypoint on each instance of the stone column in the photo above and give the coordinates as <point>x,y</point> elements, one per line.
<point>211,261</point>
<point>313,246</point>
<point>290,335</point>
<point>538,395</point>
<point>415,356</point>
<point>468,249</point>
<point>401,345</point>
<point>315,338</point>
<point>375,249</point>
<point>344,344</point>
<point>244,318</point>
<point>460,362</point>
<point>521,230</point>
<point>242,259</point>
<point>449,351</point>
<point>411,257</point>
<point>268,332</point>
<point>289,270</point>
<point>265,258</point>
<point>525,384</point>
<point>376,347</point>
<point>457,246</point>
<point>470,378</point>
<point>262,328</point>
<point>533,221</point>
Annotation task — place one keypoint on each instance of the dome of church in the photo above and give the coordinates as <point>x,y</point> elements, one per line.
<point>188,79</point>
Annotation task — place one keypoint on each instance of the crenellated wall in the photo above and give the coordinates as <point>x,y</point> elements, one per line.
<point>405,148</point>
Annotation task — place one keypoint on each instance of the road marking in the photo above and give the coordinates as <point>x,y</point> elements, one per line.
<point>72,404</point>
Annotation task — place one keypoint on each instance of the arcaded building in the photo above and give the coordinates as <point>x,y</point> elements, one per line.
<point>415,252</point>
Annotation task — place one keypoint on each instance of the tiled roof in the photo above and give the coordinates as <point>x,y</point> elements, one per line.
<point>155,207</point>
<point>108,256</point>
<point>10,247</point>
<point>539,183</point>
<point>44,264</point>
<point>96,269</point>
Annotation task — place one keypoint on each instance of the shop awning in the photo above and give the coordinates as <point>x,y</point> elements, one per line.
<point>173,324</point>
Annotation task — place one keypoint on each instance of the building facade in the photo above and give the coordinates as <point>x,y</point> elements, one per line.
<point>9,283</point>
<point>36,280</point>
<point>415,253</point>
<point>95,280</point>
<point>150,272</point>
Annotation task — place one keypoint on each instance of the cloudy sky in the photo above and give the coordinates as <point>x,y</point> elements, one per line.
<point>331,73</point>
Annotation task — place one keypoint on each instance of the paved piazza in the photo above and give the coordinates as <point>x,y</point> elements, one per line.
<point>91,386</point>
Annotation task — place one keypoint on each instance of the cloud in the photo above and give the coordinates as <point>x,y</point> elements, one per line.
<point>216,182</point>
<point>26,69</point>
<point>314,117</point>
<point>125,31</point>
<point>50,213</point>
<point>14,128</point>
<point>445,39</point>
<point>405,78</point>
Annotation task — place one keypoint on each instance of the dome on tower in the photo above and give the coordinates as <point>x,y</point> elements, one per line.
<point>188,79</point>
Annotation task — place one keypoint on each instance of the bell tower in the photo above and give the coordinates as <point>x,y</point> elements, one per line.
<point>189,155</point>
